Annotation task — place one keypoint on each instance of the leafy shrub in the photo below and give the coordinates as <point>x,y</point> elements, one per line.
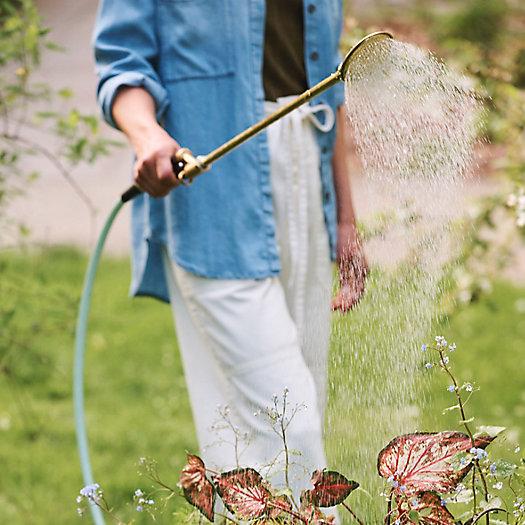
<point>23,39</point>
<point>481,22</point>
<point>445,478</point>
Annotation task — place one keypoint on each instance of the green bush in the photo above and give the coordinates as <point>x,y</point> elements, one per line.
<point>23,298</point>
<point>481,22</point>
<point>519,69</point>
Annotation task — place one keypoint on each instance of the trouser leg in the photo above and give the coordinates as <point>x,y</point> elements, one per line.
<point>306,273</point>
<point>244,328</point>
<point>304,250</point>
<point>244,341</point>
<point>206,382</point>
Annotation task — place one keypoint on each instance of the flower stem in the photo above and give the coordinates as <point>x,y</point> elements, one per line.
<point>227,518</point>
<point>283,426</point>
<point>105,508</point>
<point>389,508</point>
<point>352,513</point>
<point>486,513</point>
<point>469,432</point>
<point>289,511</point>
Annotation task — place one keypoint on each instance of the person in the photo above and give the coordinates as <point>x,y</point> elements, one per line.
<point>244,253</point>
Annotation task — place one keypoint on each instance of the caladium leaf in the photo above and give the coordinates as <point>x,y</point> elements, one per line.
<point>244,493</point>
<point>198,489</point>
<point>422,462</point>
<point>330,488</point>
<point>279,506</point>
<point>425,509</point>
<point>314,516</point>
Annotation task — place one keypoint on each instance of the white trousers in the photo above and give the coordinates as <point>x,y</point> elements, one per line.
<point>243,342</point>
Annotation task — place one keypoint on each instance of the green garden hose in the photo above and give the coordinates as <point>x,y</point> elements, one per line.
<point>80,352</point>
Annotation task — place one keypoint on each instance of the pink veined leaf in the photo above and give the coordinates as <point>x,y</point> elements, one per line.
<point>330,488</point>
<point>422,462</point>
<point>198,489</point>
<point>425,509</point>
<point>279,506</point>
<point>314,516</point>
<point>244,493</point>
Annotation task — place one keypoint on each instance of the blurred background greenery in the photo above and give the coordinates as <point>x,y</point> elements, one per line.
<point>137,402</point>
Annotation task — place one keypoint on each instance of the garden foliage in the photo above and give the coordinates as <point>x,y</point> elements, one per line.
<point>30,110</point>
<point>484,40</point>
<point>433,478</point>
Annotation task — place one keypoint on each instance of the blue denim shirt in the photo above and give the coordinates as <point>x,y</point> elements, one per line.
<point>201,60</point>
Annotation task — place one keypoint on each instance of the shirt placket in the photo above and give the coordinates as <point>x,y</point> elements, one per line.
<point>257,24</point>
<point>314,58</point>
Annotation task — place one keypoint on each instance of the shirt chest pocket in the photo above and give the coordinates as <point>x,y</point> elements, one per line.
<point>195,39</point>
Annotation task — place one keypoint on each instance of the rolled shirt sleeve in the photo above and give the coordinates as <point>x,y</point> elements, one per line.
<point>126,51</point>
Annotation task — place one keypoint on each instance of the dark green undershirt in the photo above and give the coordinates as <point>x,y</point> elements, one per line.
<point>284,71</point>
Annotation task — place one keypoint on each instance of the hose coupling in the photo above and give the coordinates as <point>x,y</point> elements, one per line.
<point>186,166</point>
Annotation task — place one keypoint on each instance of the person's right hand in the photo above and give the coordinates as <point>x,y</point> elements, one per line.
<point>153,170</point>
<point>134,113</point>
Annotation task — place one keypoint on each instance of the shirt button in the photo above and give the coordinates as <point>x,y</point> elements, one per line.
<point>314,56</point>
<point>311,8</point>
<point>324,149</point>
<point>327,197</point>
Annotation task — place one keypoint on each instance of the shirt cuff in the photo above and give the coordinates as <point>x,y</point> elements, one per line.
<point>110,87</point>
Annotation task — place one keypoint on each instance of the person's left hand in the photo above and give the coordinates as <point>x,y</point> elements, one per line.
<point>353,268</point>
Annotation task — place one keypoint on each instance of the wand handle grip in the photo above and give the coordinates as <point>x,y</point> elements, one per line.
<point>177,163</point>
<point>132,192</point>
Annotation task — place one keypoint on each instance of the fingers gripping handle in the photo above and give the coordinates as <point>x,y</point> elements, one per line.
<point>182,160</point>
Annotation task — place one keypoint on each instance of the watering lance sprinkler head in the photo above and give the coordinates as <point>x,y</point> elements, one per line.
<point>186,167</point>
<point>361,47</point>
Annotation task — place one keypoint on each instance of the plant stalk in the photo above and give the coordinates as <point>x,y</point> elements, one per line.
<point>352,513</point>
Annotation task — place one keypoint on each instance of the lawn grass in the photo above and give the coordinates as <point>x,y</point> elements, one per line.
<point>136,397</point>
<point>490,354</point>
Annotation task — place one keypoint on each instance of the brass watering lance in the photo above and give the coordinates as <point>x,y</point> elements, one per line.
<point>187,167</point>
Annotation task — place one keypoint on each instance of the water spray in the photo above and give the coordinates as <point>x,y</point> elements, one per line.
<point>186,167</point>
